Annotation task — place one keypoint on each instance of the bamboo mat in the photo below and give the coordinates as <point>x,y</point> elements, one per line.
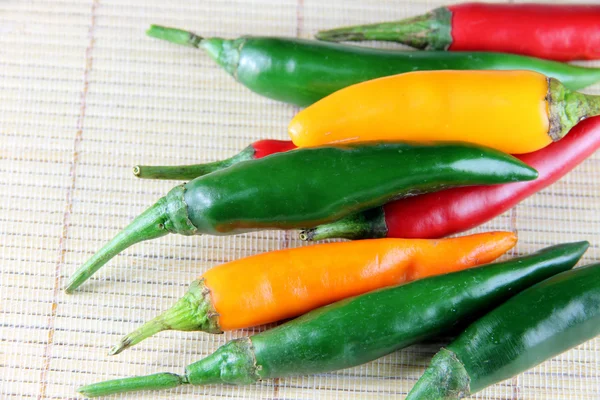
<point>84,95</point>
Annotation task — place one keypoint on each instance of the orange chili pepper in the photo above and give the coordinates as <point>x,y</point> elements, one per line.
<point>273,286</point>
<point>512,111</point>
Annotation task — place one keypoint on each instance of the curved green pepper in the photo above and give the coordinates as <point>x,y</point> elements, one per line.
<point>360,329</point>
<point>533,326</point>
<point>301,71</point>
<point>308,187</point>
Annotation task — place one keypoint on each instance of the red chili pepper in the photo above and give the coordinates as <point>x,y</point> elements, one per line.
<point>451,211</point>
<point>562,32</point>
<point>266,147</point>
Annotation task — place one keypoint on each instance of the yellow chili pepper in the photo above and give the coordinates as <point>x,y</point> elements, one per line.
<point>513,111</point>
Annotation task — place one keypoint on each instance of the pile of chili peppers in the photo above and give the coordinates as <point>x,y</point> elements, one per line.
<point>368,161</point>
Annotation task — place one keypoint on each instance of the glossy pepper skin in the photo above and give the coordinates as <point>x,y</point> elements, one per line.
<point>539,323</point>
<point>256,150</point>
<point>301,72</point>
<point>435,215</point>
<point>513,111</point>
<point>277,285</point>
<point>363,328</point>
<point>562,32</point>
<point>308,187</point>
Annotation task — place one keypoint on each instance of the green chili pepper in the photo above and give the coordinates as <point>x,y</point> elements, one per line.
<point>360,329</point>
<point>535,325</point>
<point>301,71</point>
<point>309,187</point>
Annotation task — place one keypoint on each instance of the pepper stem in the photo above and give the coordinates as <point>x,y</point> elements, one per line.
<point>173,35</point>
<point>445,379</point>
<point>430,31</point>
<point>149,225</point>
<point>169,214</point>
<point>225,52</point>
<point>193,312</point>
<point>567,108</point>
<point>233,363</point>
<point>368,224</point>
<point>188,172</point>
<point>163,380</point>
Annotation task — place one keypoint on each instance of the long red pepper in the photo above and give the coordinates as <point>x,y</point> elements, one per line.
<point>562,32</point>
<point>451,211</point>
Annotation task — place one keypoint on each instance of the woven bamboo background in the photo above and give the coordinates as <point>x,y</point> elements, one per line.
<point>84,95</point>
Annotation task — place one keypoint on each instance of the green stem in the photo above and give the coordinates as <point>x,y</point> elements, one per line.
<point>188,172</point>
<point>169,214</point>
<point>365,225</point>
<point>445,379</point>
<point>430,31</point>
<point>193,312</point>
<point>233,363</point>
<point>149,225</point>
<point>225,52</point>
<point>163,380</point>
<point>567,108</point>
<point>173,35</point>
<point>150,328</point>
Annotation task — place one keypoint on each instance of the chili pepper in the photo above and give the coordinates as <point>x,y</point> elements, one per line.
<point>233,295</point>
<point>558,32</point>
<point>513,111</point>
<point>306,188</point>
<point>256,150</point>
<point>539,323</point>
<point>301,71</point>
<point>363,328</point>
<point>456,210</point>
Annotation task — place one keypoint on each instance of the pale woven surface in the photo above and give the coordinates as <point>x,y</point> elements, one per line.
<point>84,95</point>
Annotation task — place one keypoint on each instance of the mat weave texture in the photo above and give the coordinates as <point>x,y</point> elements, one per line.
<point>84,96</point>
